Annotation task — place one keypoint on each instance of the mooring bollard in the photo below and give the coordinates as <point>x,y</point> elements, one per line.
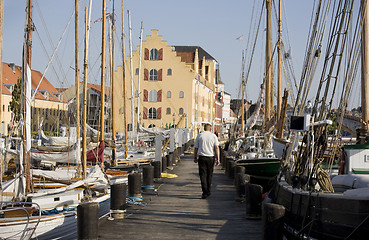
<point>88,220</point>
<point>253,194</point>
<point>169,160</point>
<point>164,164</point>
<point>273,221</point>
<point>227,162</point>
<point>157,168</point>
<point>242,179</point>
<point>134,185</point>
<point>118,200</point>
<point>232,165</point>
<point>237,170</point>
<point>148,178</point>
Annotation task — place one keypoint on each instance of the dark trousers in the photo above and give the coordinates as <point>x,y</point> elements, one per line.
<point>206,167</point>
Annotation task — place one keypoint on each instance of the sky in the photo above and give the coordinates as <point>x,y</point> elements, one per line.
<point>214,25</point>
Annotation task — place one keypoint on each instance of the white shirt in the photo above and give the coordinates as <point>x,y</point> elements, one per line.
<point>205,143</point>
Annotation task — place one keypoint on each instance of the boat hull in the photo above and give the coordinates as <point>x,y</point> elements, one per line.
<point>322,215</point>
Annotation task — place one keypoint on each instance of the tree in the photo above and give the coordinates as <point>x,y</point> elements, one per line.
<point>15,103</point>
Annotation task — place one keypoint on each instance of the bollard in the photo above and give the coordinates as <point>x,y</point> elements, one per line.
<point>242,179</point>
<point>169,160</point>
<point>253,194</point>
<point>118,200</point>
<point>222,158</point>
<point>157,169</point>
<point>273,221</point>
<point>148,178</point>
<point>164,164</point>
<point>88,220</point>
<point>232,165</point>
<point>238,169</point>
<point>134,185</point>
<point>227,162</point>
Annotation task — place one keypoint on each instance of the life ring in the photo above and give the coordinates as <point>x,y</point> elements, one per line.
<point>141,143</point>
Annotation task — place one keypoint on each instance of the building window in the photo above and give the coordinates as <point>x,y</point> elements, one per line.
<point>153,96</point>
<point>8,108</point>
<point>137,71</point>
<point>152,113</point>
<point>168,111</point>
<point>181,94</point>
<point>153,75</point>
<point>169,72</point>
<point>154,54</point>
<point>181,111</point>
<point>169,94</point>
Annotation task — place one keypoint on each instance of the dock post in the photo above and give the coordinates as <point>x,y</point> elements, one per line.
<point>169,160</point>
<point>227,160</point>
<point>232,166</point>
<point>88,220</point>
<point>134,184</point>
<point>237,170</point>
<point>242,179</point>
<point>157,168</point>
<point>148,178</point>
<point>273,221</point>
<point>253,194</point>
<point>118,200</point>
<point>164,164</point>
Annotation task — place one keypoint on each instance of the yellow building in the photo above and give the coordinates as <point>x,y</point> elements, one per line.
<point>48,105</point>
<point>174,80</point>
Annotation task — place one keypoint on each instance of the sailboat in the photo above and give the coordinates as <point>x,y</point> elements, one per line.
<point>318,204</point>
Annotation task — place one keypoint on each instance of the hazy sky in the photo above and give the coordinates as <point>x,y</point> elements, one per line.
<point>213,25</point>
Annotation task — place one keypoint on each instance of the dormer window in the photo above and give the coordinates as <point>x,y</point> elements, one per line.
<point>45,93</point>
<point>10,87</point>
<point>58,95</point>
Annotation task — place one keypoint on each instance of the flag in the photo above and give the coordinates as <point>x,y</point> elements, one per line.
<point>240,38</point>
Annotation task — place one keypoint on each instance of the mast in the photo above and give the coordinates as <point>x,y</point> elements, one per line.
<point>364,72</point>
<point>279,47</point>
<point>113,83</point>
<point>77,75</point>
<point>102,97</point>
<point>139,79</point>
<point>124,89</point>
<point>243,94</point>
<point>1,93</point>
<point>85,69</point>
<point>268,57</point>
<point>130,50</point>
<point>26,103</point>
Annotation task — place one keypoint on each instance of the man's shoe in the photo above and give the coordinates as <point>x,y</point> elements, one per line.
<point>204,195</point>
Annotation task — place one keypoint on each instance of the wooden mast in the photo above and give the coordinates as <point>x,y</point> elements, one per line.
<point>85,69</point>
<point>76,66</point>
<point>243,96</point>
<point>268,56</point>
<point>279,47</point>
<point>102,97</point>
<point>27,65</point>
<point>1,92</point>
<point>139,79</point>
<point>113,83</point>
<point>124,89</point>
<point>364,72</point>
<point>131,62</point>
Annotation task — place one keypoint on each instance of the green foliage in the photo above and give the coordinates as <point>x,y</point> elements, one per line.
<point>15,103</point>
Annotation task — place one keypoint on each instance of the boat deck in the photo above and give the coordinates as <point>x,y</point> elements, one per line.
<point>176,211</point>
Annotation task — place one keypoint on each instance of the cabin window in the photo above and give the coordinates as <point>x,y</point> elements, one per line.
<point>153,75</point>
<point>181,94</point>
<point>153,96</point>
<point>152,113</point>
<point>168,111</point>
<point>169,72</point>
<point>169,94</point>
<point>154,54</point>
<point>181,111</point>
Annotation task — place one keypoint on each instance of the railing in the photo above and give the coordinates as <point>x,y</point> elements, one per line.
<point>27,232</point>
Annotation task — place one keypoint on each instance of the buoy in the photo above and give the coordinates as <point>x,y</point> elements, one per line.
<point>118,200</point>
<point>148,178</point>
<point>273,221</point>
<point>88,220</point>
<point>253,194</point>
<point>134,185</point>
<point>157,168</point>
<point>141,143</point>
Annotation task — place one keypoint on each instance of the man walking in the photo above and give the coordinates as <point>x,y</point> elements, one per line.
<point>206,146</point>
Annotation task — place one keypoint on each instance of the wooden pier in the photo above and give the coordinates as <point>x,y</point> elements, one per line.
<point>176,210</point>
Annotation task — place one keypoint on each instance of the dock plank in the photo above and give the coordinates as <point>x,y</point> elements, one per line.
<point>177,211</point>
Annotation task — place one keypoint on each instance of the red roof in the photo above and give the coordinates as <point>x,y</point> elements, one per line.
<point>11,76</point>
